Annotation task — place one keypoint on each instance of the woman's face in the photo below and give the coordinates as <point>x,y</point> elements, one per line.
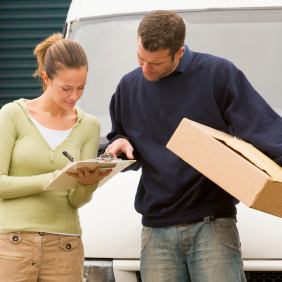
<point>67,86</point>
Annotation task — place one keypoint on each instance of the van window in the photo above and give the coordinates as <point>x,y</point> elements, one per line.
<point>251,39</point>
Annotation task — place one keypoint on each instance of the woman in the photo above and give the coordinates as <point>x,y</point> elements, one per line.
<point>40,233</point>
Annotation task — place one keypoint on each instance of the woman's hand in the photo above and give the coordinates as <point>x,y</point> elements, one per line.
<point>67,166</point>
<point>85,177</point>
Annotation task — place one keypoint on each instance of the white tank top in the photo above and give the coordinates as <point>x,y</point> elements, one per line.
<point>53,137</point>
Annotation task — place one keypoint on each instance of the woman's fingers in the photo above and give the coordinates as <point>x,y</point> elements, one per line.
<point>103,174</point>
<point>85,177</point>
<point>80,173</point>
<point>96,171</point>
<point>86,172</point>
<point>74,175</point>
<point>67,166</point>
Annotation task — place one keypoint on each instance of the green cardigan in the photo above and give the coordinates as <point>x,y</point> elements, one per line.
<point>28,164</point>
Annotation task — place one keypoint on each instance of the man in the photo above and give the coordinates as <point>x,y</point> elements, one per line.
<point>189,231</point>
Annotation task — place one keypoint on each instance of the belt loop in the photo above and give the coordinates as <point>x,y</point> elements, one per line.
<point>208,218</point>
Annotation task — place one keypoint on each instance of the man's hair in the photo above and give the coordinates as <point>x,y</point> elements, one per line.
<point>161,30</point>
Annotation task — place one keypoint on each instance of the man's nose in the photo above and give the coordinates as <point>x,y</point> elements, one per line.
<point>147,66</point>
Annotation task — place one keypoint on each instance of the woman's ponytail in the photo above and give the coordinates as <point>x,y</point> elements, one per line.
<point>55,53</point>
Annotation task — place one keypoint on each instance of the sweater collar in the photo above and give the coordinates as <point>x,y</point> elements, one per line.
<point>185,60</point>
<point>22,101</point>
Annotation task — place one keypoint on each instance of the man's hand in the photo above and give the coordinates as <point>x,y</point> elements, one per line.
<point>119,146</point>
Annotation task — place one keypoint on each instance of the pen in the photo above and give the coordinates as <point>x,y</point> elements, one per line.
<point>66,154</point>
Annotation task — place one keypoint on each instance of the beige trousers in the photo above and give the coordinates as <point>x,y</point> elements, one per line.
<point>40,257</point>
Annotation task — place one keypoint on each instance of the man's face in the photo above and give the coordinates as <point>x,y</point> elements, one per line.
<point>158,64</point>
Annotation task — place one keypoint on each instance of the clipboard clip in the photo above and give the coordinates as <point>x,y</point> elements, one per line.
<point>107,157</point>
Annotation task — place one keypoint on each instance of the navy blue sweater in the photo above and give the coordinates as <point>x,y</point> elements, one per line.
<point>203,88</point>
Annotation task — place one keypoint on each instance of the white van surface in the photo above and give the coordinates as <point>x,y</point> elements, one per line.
<point>248,33</point>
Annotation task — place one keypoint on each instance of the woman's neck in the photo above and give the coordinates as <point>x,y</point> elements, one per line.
<point>49,114</point>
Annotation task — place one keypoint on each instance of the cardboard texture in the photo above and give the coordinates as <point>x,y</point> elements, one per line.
<point>233,164</point>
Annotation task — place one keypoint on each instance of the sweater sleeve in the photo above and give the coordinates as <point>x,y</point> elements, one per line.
<point>252,119</point>
<point>83,194</point>
<point>11,186</point>
<point>118,131</point>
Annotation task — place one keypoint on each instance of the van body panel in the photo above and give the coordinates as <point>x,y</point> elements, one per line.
<point>81,9</point>
<point>248,37</point>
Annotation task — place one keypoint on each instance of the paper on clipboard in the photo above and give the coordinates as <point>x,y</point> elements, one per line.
<point>64,181</point>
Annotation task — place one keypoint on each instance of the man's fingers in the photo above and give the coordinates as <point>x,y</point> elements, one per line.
<point>129,151</point>
<point>113,149</point>
<point>115,152</point>
<point>130,156</point>
<point>119,146</point>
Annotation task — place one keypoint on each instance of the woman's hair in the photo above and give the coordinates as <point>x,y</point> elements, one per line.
<point>56,53</point>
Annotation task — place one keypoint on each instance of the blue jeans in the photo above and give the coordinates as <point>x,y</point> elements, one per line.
<point>207,251</point>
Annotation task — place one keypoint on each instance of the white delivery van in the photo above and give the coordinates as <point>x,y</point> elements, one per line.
<point>248,33</point>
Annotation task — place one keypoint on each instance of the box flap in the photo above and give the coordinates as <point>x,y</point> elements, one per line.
<point>247,150</point>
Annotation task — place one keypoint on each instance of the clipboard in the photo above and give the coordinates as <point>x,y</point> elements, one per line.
<point>64,181</point>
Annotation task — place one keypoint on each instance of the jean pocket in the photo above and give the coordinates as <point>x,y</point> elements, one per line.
<point>68,259</point>
<point>11,256</point>
<point>145,237</point>
<point>226,233</point>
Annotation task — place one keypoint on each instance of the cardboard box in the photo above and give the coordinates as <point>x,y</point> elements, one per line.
<point>234,165</point>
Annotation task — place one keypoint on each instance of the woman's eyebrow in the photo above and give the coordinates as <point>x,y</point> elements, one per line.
<point>71,86</point>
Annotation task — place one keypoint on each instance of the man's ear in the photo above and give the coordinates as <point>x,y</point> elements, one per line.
<point>45,77</point>
<point>179,53</point>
